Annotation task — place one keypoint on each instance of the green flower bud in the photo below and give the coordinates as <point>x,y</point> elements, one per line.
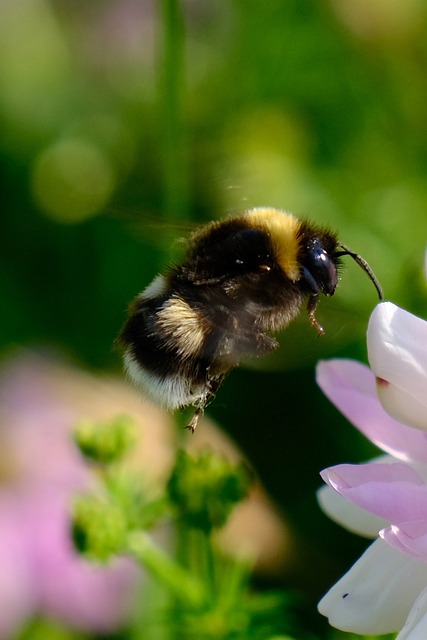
<point>105,443</point>
<point>99,527</point>
<point>206,488</point>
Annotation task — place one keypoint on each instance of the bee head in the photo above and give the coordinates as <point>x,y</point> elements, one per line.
<point>320,263</point>
<point>319,267</point>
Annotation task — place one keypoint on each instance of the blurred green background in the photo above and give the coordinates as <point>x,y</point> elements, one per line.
<point>124,123</point>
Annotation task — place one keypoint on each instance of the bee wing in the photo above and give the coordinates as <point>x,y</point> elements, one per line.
<point>234,333</point>
<point>153,229</point>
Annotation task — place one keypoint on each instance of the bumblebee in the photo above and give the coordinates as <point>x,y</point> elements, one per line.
<point>242,279</point>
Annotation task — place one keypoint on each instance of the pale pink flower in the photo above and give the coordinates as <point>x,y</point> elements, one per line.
<point>41,401</point>
<point>386,590</point>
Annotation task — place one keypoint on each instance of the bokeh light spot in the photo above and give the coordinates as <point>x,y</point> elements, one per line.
<point>72,180</point>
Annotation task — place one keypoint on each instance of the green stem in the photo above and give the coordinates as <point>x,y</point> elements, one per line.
<point>234,582</point>
<point>180,583</point>
<point>173,139</point>
<point>206,544</point>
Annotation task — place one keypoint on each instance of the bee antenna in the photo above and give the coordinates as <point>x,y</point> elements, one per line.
<point>362,263</point>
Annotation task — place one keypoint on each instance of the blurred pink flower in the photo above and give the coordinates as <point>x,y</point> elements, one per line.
<point>386,590</point>
<point>41,400</point>
<point>40,471</point>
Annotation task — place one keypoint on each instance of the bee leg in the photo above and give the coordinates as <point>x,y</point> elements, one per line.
<point>191,426</point>
<point>313,301</point>
<point>213,385</point>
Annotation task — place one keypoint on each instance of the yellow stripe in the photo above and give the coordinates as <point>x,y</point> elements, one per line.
<point>282,228</point>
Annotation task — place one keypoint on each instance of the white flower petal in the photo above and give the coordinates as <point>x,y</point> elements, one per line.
<point>416,625</point>
<point>349,515</point>
<point>397,350</point>
<point>402,406</point>
<point>377,594</point>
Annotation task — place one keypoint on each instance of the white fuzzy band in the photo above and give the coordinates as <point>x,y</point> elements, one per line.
<point>172,392</point>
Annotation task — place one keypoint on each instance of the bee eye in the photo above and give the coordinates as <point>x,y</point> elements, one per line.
<point>319,270</point>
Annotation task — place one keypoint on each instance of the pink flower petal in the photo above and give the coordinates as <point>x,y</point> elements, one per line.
<point>392,491</point>
<point>376,595</point>
<point>352,388</point>
<point>17,595</point>
<point>408,537</point>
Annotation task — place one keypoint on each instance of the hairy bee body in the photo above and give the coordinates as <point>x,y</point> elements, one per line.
<point>242,279</point>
